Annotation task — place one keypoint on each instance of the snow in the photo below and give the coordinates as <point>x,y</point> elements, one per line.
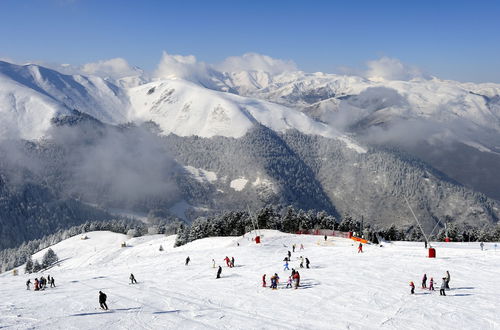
<point>343,289</point>
<point>238,184</point>
<point>201,175</point>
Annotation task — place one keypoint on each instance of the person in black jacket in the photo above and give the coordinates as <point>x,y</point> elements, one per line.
<point>102,300</point>
<point>219,271</point>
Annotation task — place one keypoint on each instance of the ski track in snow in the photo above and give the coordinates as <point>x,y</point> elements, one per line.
<point>343,289</point>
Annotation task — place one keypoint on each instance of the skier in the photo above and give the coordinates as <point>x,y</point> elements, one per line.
<point>296,278</point>
<point>424,282</point>
<point>264,280</point>
<point>326,238</point>
<point>102,300</point>
<point>226,259</point>
<point>482,246</point>
<point>412,286</point>
<point>37,284</point>
<point>219,271</point>
<point>286,259</point>
<point>302,246</point>
<point>48,278</point>
<point>52,282</point>
<point>301,262</point>
<point>289,254</point>
<point>213,263</point>
<point>447,280</point>
<point>307,262</point>
<point>188,260</point>
<point>443,287</point>
<point>425,244</point>
<point>274,281</point>
<point>293,248</point>
<point>232,262</point>
<point>28,282</point>
<point>431,284</point>
<point>360,248</point>
<point>132,279</point>
<point>286,266</point>
<point>289,282</point>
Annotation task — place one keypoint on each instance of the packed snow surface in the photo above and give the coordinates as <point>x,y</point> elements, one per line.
<point>342,289</point>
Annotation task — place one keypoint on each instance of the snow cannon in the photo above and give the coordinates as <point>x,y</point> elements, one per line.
<point>432,253</point>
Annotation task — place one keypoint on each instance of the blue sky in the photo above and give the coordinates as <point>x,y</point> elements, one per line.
<point>450,39</point>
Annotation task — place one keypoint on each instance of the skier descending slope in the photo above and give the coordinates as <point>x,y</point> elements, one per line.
<point>187,260</point>
<point>132,279</point>
<point>102,300</point>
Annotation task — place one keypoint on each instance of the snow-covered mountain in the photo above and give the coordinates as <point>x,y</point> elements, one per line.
<point>196,140</point>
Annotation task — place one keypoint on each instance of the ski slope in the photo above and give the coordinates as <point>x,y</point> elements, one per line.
<point>343,289</point>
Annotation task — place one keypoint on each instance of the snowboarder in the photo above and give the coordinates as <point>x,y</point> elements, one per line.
<point>102,300</point>
<point>307,262</point>
<point>219,271</point>
<point>289,282</point>
<point>52,282</point>
<point>443,287</point>
<point>447,280</point>
<point>226,259</point>
<point>37,284</point>
<point>424,282</point>
<point>482,246</point>
<point>232,262</point>
<point>431,284</point>
<point>28,282</point>
<point>296,278</point>
<point>264,280</point>
<point>289,254</point>
<point>286,266</point>
<point>188,260</point>
<point>132,279</point>
<point>412,286</point>
<point>360,248</point>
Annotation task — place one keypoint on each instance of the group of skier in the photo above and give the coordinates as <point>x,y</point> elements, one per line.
<point>41,284</point>
<point>445,284</point>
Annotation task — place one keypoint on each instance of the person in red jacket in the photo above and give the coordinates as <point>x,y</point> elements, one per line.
<point>228,261</point>
<point>296,279</point>
<point>360,248</point>
<point>412,286</point>
<point>264,280</point>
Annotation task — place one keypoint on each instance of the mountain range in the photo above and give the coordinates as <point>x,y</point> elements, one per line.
<point>197,140</point>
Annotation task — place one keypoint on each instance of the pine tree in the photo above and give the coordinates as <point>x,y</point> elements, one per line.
<point>29,265</point>
<point>36,266</point>
<point>49,258</point>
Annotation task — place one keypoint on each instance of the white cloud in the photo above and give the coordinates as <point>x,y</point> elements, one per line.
<point>256,62</point>
<point>182,67</point>
<point>115,68</point>
<point>387,68</point>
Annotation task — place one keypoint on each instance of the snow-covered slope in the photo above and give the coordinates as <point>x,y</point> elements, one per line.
<point>185,109</point>
<point>342,289</point>
<point>31,95</point>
